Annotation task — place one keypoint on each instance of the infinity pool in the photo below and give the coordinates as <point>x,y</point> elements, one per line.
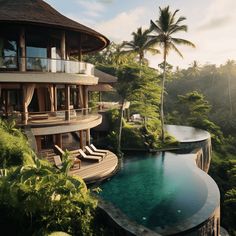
<point>157,191</point>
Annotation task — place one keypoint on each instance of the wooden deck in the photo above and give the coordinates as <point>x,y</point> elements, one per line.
<point>91,172</point>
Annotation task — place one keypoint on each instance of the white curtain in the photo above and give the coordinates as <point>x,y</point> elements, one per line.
<point>28,91</point>
<point>51,96</point>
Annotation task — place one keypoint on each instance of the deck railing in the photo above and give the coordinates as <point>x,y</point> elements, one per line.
<point>39,64</point>
<point>23,118</point>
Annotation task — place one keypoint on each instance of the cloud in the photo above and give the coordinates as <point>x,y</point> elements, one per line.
<point>218,14</point>
<point>215,23</point>
<point>123,24</point>
<point>92,8</point>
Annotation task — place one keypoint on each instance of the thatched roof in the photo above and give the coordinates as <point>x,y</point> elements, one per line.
<point>104,77</point>
<point>38,12</point>
<point>101,88</point>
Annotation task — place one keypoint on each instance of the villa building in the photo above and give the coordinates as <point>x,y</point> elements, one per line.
<point>43,82</point>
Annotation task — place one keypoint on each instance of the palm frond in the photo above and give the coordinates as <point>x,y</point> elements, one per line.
<point>178,28</point>
<point>172,46</point>
<point>179,41</point>
<point>155,27</point>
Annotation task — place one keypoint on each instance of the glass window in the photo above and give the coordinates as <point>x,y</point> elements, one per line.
<point>8,54</point>
<point>36,58</point>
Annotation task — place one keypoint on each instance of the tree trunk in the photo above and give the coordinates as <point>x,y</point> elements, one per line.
<point>162,97</point>
<point>120,127</point>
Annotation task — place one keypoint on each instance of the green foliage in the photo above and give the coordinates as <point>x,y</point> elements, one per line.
<point>132,138</point>
<point>14,148</point>
<point>193,109</point>
<point>224,173</point>
<point>42,199</point>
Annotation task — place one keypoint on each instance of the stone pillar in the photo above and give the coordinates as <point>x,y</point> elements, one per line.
<point>22,50</point>
<point>67,105</point>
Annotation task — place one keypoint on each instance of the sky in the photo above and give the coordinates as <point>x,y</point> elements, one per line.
<point>211,24</point>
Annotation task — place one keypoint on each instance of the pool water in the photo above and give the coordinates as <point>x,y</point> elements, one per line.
<point>157,191</point>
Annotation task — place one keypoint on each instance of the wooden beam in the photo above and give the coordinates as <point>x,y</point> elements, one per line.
<point>85,99</point>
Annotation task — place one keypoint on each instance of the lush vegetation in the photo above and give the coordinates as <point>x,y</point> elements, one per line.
<point>35,197</point>
<point>205,97</point>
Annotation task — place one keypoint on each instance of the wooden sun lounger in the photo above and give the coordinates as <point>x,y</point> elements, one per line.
<point>91,152</point>
<point>58,163</point>
<point>89,157</point>
<point>74,155</point>
<point>98,150</point>
<point>60,152</point>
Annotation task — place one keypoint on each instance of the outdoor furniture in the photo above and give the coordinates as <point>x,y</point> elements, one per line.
<point>98,150</point>
<point>60,152</point>
<point>89,157</point>
<point>73,155</point>
<point>91,152</point>
<point>58,163</point>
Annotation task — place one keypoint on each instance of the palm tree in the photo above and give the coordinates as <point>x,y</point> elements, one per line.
<point>194,69</point>
<point>164,27</point>
<point>140,44</point>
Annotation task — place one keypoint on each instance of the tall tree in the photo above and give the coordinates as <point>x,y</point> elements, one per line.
<point>164,28</point>
<point>140,44</point>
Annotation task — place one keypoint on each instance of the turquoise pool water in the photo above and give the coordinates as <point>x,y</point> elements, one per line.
<point>158,191</point>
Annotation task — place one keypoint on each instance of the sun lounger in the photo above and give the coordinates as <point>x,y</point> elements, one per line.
<point>58,163</point>
<point>89,157</point>
<point>74,155</point>
<point>98,150</point>
<point>60,152</point>
<point>91,152</point>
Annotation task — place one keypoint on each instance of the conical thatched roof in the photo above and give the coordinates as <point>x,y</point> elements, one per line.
<point>38,12</point>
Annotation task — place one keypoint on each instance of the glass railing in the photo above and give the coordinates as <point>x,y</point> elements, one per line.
<point>45,117</point>
<point>46,65</point>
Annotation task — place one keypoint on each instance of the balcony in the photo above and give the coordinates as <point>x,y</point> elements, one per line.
<point>38,64</point>
<point>62,121</point>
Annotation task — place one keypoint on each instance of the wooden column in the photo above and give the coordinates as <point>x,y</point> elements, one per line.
<point>39,143</point>
<point>85,99</point>
<point>63,45</point>
<point>88,137</point>
<point>22,50</point>
<point>67,105</point>
<point>59,140</point>
<point>81,139</point>
<point>55,97</point>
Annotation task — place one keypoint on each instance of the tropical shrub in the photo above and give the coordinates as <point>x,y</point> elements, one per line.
<point>14,148</point>
<point>38,199</point>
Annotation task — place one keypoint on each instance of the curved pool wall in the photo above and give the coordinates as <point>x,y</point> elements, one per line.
<point>193,140</point>
<point>205,221</point>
